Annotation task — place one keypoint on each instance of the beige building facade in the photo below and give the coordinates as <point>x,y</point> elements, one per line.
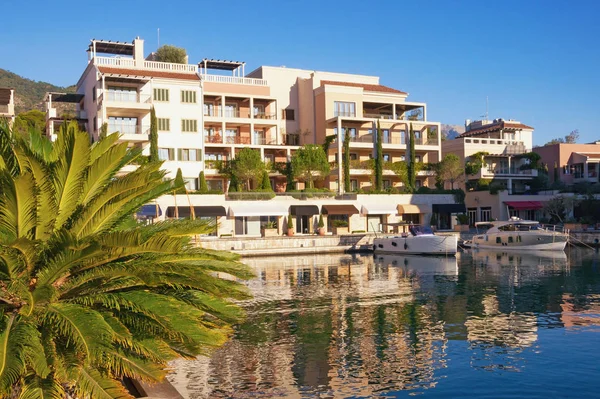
<point>572,163</point>
<point>7,104</point>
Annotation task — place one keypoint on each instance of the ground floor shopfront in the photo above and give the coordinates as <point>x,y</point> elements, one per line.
<point>245,218</point>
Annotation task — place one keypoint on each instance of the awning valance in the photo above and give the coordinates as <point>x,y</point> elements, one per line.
<point>265,208</point>
<point>524,205</point>
<point>304,210</point>
<point>449,208</point>
<point>413,208</point>
<point>378,209</point>
<point>150,210</point>
<point>340,210</point>
<point>199,211</point>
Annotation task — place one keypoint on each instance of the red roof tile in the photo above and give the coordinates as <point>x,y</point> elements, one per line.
<point>494,127</point>
<point>150,73</point>
<point>366,87</point>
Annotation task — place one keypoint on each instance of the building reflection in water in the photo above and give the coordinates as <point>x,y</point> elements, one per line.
<point>340,325</point>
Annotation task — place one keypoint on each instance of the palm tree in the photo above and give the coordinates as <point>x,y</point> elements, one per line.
<point>87,296</point>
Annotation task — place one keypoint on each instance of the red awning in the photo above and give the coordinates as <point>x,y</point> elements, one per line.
<point>524,205</point>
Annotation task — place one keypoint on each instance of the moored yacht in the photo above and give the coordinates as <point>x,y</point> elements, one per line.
<point>418,240</point>
<point>518,234</point>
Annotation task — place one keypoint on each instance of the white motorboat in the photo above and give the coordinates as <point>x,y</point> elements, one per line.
<point>418,240</point>
<point>518,234</point>
<point>420,265</point>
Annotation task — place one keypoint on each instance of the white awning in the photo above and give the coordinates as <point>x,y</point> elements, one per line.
<point>378,209</point>
<point>257,208</point>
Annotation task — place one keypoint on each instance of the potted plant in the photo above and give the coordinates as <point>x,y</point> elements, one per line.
<point>433,221</point>
<point>339,227</point>
<point>321,225</point>
<point>269,229</point>
<point>290,225</point>
<point>463,222</point>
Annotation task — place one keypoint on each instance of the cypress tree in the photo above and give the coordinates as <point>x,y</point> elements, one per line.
<point>202,186</point>
<point>379,160</point>
<point>411,166</point>
<point>179,182</point>
<point>265,183</point>
<point>153,137</point>
<point>289,176</point>
<point>346,161</point>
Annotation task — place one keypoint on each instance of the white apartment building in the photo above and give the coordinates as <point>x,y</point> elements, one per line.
<point>7,104</point>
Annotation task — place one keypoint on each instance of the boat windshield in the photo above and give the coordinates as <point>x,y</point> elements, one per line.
<point>420,230</point>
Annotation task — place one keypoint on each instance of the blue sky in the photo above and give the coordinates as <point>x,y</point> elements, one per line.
<point>537,61</point>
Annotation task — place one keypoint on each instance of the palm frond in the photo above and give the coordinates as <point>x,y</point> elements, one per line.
<point>8,160</point>
<point>92,384</point>
<point>14,335</point>
<point>69,170</point>
<point>18,206</point>
<point>36,387</point>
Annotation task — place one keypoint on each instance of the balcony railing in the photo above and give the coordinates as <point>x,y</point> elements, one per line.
<point>264,115</point>
<point>215,139</point>
<point>291,139</point>
<point>222,111</point>
<point>128,97</point>
<point>351,114</point>
<point>234,80</point>
<point>491,170</point>
<point>237,140</point>
<point>378,116</point>
<point>264,140</point>
<point>215,164</point>
<point>153,65</point>
<point>367,138</point>
<point>128,129</point>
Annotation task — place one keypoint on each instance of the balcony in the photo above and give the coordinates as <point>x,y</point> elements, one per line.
<point>229,112</point>
<point>348,114</point>
<point>7,109</point>
<point>237,140</point>
<point>131,132</point>
<point>130,63</point>
<point>291,139</point>
<point>265,115</point>
<point>491,172</point>
<point>127,97</point>
<point>234,80</point>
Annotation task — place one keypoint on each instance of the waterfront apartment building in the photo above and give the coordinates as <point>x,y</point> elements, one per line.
<point>500,144</point>
<point>205,117</point>
<point>7,104</point>
<point>571,163</point>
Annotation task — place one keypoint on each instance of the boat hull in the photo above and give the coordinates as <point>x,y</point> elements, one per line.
<point>521,242</point>
<point>419,245</point>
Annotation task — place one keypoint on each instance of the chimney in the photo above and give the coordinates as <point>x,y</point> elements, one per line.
<point>467,125</point>
<point>138,52</point>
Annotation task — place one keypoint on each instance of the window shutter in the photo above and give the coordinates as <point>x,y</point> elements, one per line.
<point>179,154</point>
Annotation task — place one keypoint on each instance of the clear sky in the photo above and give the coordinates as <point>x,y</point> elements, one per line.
<point>538,61</point>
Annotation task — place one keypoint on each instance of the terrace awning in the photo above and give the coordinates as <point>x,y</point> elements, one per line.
<point>524,205</point>
<point>413,208</point>
<point>258,209</point>
<point>449,208</point>
<point>149,210</point>
<point>199,211</point>
<point>340,210</point>
<point>304,210</point>
<point>378,209</point>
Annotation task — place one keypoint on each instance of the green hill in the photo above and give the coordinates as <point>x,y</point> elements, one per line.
<point>29,94</point>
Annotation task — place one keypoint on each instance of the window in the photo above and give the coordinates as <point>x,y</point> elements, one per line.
<point>354,185</point>
<point>214,185</point>
<point>190,183</point>
<point>189,154</point>
<point>386,157</point>
<point>166,154</point>
<point>259,109</point>
<point>418,184</point>
<point>417,158</point>
<point>510,239</point>
<point>95,123</point>
<point>386,136</point>
<point>344,109</point>
<point>188,96</point>
<point>387,184</point>
<point>485,214</point>
<point>412,218</point>
<point>189,125</point>
<point>164,124</point>
<point>94,94</point>
<point>498,240</point>
<point>209,109</point>
<point>230,136</point>
<point>230,111</point>
<point>161,95</point>
<point>289,114</point>
<point>353,157</point>
<point>402,136</point>
<point>403,158</point>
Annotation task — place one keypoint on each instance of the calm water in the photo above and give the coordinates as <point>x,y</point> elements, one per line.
<point>484,324</point>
